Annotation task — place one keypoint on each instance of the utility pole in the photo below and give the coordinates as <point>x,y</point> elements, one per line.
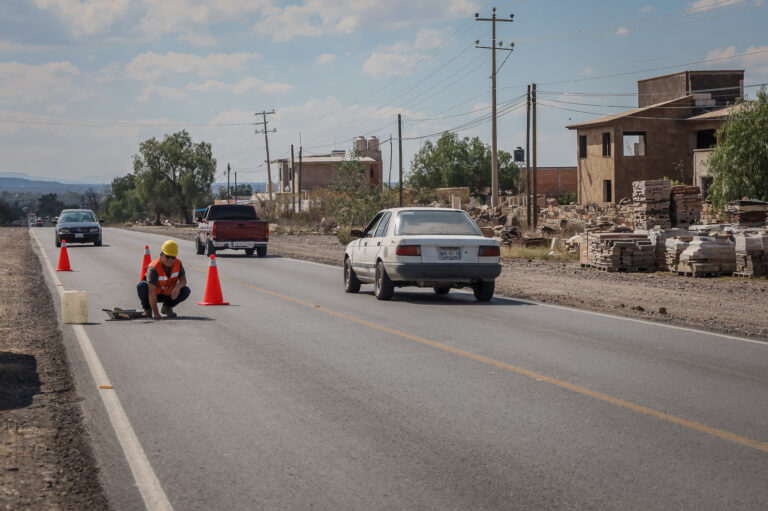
<point>235,187</point>
<point>528,204</point>
<point>300,148</point>
<point>494,145</point>
<point>400,149</point>
<point>266,142</point>
<point>229,191</point>
<point>293,182</point>
<point>535,173</point>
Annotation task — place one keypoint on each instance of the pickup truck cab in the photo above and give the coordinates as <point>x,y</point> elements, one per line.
<point>231,227</point>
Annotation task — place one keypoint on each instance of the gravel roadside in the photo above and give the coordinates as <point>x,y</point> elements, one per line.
<point>725,305</point>
<point>45,458</point>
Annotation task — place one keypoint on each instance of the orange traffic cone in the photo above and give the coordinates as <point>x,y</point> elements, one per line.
<point>212,294</point>
<point>145,262</point>
<point>63,258</point>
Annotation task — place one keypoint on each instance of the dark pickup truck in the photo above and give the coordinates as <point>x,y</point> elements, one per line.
<point>231,227</point>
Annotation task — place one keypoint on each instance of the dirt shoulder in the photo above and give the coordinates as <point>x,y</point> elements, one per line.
<point>45,458</point>
<point>725,305</point>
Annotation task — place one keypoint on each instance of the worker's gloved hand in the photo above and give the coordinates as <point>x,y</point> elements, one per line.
<point>175,292</point>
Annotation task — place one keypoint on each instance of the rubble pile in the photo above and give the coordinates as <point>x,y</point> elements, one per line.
<point>673,248</point>
<point>610,251</point>
<point>707,255</point>
<point>752,256</point>
<point>747,212</point>
<point>685,205</point>
<point>651,204</point>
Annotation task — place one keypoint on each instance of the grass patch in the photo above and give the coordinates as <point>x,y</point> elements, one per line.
<point>543,253</point>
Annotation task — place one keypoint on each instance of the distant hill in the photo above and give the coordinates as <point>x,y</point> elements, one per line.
<point>23,185</point>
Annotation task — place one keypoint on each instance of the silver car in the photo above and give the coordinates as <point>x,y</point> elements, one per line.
<point>78,226</point>
<point>439,248</point>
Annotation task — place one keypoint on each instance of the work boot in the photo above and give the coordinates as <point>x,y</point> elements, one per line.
<point>168,311</point>
<point>147,313</point>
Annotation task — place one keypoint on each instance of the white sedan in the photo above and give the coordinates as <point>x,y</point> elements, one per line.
<point>439,248</point>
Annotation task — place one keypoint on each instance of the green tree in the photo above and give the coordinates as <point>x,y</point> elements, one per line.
<point>174,175</point>
<point>49,205</point>
<point>454,162</point>
<point>739,164</point>
<point>122,202</point>
<point>9,213</point>
<point>353,198</point>
<point>243,190</point>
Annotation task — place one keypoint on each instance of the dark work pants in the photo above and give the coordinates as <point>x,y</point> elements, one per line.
<point>143,289</point>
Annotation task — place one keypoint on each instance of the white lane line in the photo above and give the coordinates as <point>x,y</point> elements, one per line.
<point>145,477</point>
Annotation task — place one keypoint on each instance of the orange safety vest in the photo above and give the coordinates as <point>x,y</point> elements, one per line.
<point>165,283</point>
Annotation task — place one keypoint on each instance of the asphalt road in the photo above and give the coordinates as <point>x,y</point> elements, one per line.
<point>299,396</point>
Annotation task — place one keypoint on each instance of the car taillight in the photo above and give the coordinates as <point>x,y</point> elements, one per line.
<point>492,251</point>
<point>408,250</point>
<point>267,231</point>
<point>213,230</point>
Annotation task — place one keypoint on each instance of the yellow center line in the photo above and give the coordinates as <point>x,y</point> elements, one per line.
<point>696,426</point>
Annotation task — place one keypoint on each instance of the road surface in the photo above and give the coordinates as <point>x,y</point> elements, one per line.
<point>299,396</point>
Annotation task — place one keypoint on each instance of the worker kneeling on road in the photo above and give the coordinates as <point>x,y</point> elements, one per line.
<point>165,281</point>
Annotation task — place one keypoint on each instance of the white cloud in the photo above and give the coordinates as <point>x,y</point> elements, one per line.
<point>381,65</point>
<point>325,58</point>
<point>27,84</point>
<point>706,5</point>
<point>622,31</point>
<point>587,71</point>
<point>150,66</point>
<point>152,91</point>
<point>88,16</point>
<point>334,17</point>
<point>756,63</point>
<point>646,9</point>
<point>241,87</point>
<point>199,39</point>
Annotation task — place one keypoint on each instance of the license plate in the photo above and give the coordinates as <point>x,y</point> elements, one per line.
<point>449,253</point>
<point>241,244</point>
<point>79,235</point>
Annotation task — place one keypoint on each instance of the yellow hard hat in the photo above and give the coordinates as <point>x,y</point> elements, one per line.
<point>170,248</point>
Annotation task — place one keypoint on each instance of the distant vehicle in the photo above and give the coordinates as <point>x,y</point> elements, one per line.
<point>31,222</point>
<point>231,227</point>
<point>39,223</point>
<point>439,248</point>
<point>78,226</point>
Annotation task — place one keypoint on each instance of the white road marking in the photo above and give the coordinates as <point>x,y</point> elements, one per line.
<point>145,477</point>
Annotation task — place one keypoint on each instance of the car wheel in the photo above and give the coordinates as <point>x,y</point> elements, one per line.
<point>199,248</point>
<point>249,251</point>
<point>261,251</point>
<point>484,290</point>
<point>97,243</point>
<point>383,287</point>
<point>209,249</point>
<point>58,241</point>
<point>442,290</point>
<point>351,282</point>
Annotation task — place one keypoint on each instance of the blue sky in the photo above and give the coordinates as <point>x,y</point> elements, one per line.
<point>83,82</point>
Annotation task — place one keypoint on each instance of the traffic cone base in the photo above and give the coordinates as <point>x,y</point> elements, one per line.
<point>63,258</point>
<point>213,294</point>
<point>145,262</point>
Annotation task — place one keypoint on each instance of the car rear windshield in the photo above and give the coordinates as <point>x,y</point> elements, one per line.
<point>77,216</point>
<point>232,212</point>
<point>435,222</point>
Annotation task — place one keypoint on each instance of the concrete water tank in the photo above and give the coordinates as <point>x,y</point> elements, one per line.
<point>373,144</point>
<point>360,144</point>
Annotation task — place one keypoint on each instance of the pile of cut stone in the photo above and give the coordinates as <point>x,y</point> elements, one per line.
<point>752,255</point>
<point>675,246</point>
<point>747,212</point>
<point>708,255</point>
<point>658,238</point>
<point>609,251</point>
<point>651,204</point>
<point>685,205</point>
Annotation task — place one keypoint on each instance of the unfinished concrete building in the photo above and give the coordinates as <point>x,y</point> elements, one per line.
<point>677,117</point>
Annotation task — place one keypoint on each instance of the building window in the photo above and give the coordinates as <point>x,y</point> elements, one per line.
<point>582,146</point>
<point>705,139</point>
<point>634,143</point>
<point>607,145</point>
<point>607,197</point>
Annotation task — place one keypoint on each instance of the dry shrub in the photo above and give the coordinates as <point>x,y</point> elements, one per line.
<point>543,253</point>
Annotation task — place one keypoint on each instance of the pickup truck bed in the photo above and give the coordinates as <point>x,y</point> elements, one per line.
<point>231,227</point>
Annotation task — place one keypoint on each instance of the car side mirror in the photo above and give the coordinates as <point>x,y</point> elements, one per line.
<point>356,233</point>
<point>101,220</point>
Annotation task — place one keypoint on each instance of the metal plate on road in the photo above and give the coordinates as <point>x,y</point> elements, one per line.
<point>448,253</point>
